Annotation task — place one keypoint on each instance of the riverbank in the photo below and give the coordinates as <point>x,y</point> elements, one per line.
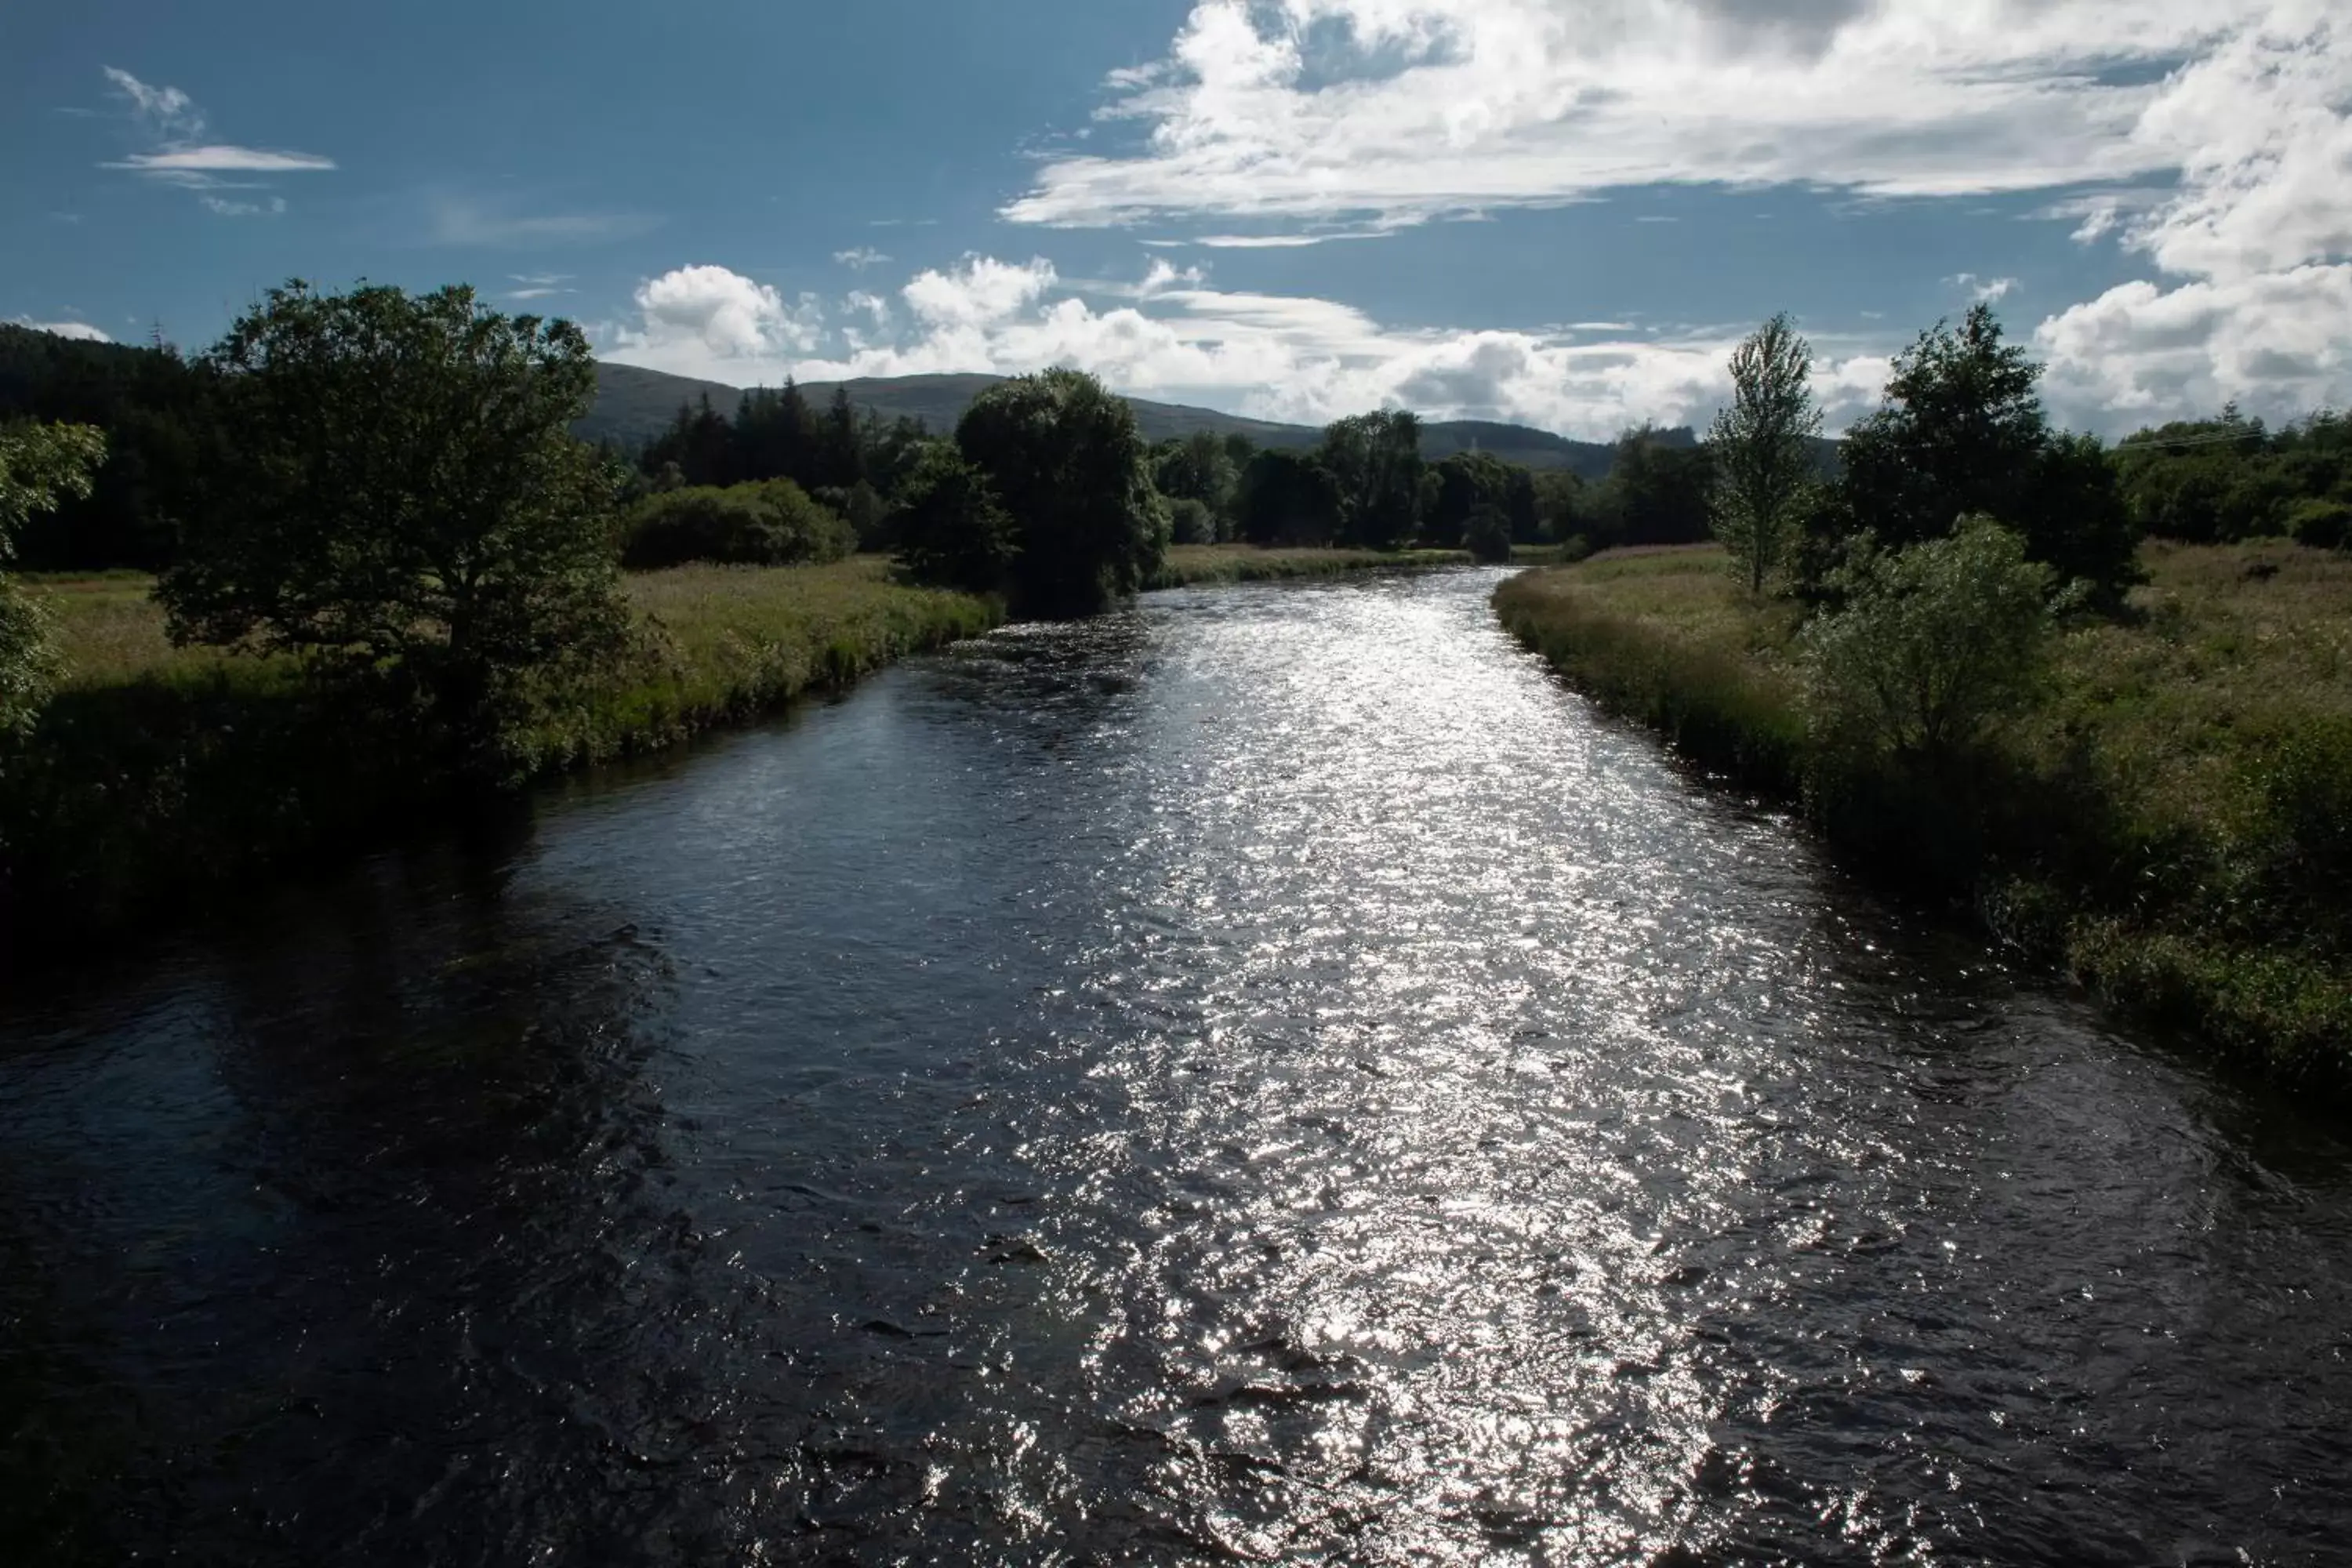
<point>1193,565</point>
<point>2171,823</point>
<point>164,777</point>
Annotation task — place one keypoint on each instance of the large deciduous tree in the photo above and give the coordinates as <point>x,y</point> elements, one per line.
<point>1375,463</point>
<point>1963,433</point>
<point>1285,497</point>
<point>1064,460</point>
<point>1761,446</point>
<point>402,497</point>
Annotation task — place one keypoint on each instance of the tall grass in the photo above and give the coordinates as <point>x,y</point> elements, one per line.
<point>2169,822</point>
<point>1188,564</point>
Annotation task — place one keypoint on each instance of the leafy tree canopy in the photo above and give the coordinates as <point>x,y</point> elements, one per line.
<point>1065,461</point>
<point>40,466</point>
<point>405,497</point>
<point>1375,463</point>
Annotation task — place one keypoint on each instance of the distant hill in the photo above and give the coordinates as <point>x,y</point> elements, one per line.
<point>634,406</point>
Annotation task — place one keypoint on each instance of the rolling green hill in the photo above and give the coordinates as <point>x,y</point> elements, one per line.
<point>633,405</point>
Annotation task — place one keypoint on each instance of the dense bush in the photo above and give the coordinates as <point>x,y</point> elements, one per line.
<point>772,523</point>
<point>949,526</point>
<point>40,466</point>
<point>1933,644</point>
<point>1191,522</point>
<point>2217,480</point>
<point>1487,534</point>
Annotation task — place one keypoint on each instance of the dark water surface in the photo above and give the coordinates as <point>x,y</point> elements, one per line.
<point>1265,1076</point>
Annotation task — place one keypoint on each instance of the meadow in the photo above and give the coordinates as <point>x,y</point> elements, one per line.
<point>2169,819</point>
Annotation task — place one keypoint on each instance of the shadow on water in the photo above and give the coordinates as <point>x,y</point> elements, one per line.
<point>412,1160</point>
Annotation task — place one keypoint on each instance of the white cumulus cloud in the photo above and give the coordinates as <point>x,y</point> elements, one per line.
<point>2254,246</point>
<point>2212,138</point>
<point>1410,110</point>
<point>712,314</point>
<point>1276,357</point>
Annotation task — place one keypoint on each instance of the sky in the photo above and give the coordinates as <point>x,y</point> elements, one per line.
<point>1560,213</point>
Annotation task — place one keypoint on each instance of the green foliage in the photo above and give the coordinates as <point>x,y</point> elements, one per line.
<point>1468,481</point>
<point>164,776</point>
<point>1935,642</point>
<point>1659,491</point>
<point>770,522</point>
<point>1374,461</point>
<point>777,433</point>
<point>1201,468</point>
<point>1761,450</point>
<point>156,412</point>
<point>1487,534</point>
<point>1066,460</point>
<point>2324,524</point>
<point>1287,499</point>
<point>1562,504</point>
<point>2217,480</point>
<point>1963,433</point>
<point>40,466</point>
<point>404,499</point>
<point>1191,522</point>
<point>2165,816</point>
<point>950,525</point>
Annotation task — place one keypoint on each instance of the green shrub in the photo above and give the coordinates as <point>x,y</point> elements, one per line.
<point>770,523</point>
<point>1191,522</point>
<point>1934,643</point>
<point>1487,533</point>
<point>2322,523</point>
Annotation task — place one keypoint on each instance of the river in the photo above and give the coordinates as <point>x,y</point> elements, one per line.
<point>1266,1075</point>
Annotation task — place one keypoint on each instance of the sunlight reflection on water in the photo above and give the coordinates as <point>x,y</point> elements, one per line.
<point>1263,1076</point>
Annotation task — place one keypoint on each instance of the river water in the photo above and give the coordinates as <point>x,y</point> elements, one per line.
<point>1264,1075</point>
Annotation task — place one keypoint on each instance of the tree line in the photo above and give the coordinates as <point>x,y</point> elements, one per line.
<point>384,485</point>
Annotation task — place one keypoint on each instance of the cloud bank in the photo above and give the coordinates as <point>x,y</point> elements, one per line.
<point>2210,138</point>
<point>1171,336</point>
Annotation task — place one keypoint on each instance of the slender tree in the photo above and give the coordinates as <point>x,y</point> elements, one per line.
<point>1763,462</point>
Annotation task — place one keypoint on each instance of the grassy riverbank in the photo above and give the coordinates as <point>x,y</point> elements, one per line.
<point>162,774</point>
<point>2172,821</point>
<point>1187,565</point>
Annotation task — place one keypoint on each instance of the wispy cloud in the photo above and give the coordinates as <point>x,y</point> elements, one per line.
<point>227,208</point>
<point>168,109</point>
<point>460,221</point>
<point>222,159</point>
<point>173,119</point>
<point>538,285</point>
<point>860,258</point>
<point>1983,290</point>
<point>1284,241</point>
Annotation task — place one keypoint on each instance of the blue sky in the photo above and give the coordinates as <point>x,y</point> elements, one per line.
<point>1561,211</point>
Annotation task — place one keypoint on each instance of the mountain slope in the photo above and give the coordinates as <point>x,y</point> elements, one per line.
<point>633,405</point>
